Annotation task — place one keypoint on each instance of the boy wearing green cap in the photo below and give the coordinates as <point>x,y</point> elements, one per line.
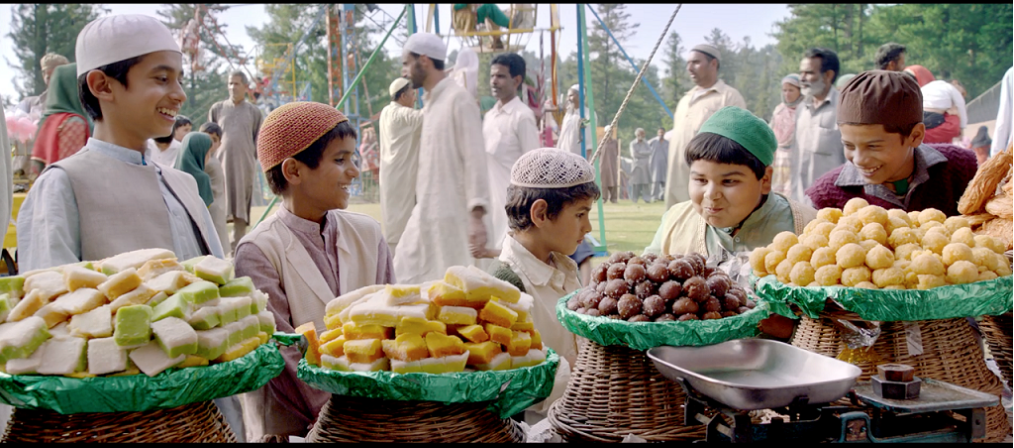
<point>732,209</point>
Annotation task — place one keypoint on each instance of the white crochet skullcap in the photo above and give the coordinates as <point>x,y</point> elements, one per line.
<point>551,168</point>
<point>110,39</point>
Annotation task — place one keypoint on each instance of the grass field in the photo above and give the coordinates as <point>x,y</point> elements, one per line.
<point>629,226</point>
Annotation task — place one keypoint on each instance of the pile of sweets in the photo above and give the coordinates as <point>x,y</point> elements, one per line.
<point>660,288</point>
<point>988,202</point>
<point>139,311</point>
<point>470,318</point>
<point>866,246</point>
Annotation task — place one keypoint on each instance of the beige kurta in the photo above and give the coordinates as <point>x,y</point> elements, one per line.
<point>509,130</point>
<point>238,153</point>
<point>399,165</point>
<point>452,181</point>
<point>217,208</point>
<point>692,111</point>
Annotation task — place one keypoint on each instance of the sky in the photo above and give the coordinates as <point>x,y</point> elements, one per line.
<point>693,23</point>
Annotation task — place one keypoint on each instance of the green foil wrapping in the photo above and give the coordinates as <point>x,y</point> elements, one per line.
<point>139,393</point>
<point>988,297</point>
<point>646,335</point>
<point>508,391</point>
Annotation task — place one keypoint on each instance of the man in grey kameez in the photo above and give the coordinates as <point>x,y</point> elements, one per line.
<point>240,122</point>
<point>609,169</point>
<point>640,179</point>
<point>659,164</point>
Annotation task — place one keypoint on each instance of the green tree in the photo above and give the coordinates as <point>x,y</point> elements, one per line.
<point>37,29</point>
<point>607,61</point>
<point>675,83</point>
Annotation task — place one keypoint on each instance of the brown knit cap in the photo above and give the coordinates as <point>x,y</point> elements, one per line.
<point>881,97</point>
<point>292,128</point>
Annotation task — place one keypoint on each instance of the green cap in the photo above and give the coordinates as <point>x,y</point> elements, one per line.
<point>743,127</point>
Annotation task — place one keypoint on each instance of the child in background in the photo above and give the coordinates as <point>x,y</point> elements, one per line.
<point>549,199</point>
<point>309,252</point>
<point>214,169</point>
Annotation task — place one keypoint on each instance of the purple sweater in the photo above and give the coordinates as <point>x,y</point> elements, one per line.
<point>942,172</point>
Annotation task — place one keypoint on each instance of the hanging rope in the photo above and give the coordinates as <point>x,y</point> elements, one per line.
<point>640,74</point>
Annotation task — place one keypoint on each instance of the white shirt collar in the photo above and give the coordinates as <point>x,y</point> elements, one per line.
<point>536,271</point>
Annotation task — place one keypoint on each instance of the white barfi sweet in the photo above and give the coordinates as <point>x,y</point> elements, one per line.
<point>214,269</point>
<point>212,343</point>
<point>24,366</point>
<point>97,323</point>
<point>139,296</point>
<point>20,339</point>
<point>175,336</point>
<point>152,360</point>
<point>81,300</point>
<point>104,356</point>
<point>120,283</point>
<point>48,284</point>
<point>169,282</point>
<point>77,277</point>
<point>134,260</point>
<point>63,356</point>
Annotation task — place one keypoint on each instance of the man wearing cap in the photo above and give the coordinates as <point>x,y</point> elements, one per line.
<point>510,132</point>
<point>446,226</point>
<point>817,146</point>
<point>570,131</point>
<point>695,107</point>
<point>240,121</point>
<point>783,123</point>
<point>400,125</point>
<point>35,106</point>
<point>890,57</point>
<point>107,199</point>
<point>641,152</point>
<point>880,115</point>
<point>659,164</point>
<point>1002,134</point>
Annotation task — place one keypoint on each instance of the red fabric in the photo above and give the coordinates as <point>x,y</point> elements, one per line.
<point>946,185</point>
<point>922,75</point>
<point>60,138</point>
<point>946,132</point>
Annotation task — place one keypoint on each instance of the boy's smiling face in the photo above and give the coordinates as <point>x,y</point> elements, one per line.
<point>327,186</point>
<point>567,230</point>
<point>148,105</point>
<point>878,155</point>
<point>725,194</point>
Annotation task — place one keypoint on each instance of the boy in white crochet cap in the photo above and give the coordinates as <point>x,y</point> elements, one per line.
<point>549,199</point>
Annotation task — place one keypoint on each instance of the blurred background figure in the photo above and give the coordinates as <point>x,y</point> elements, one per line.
<point>65,127</point>
<point>783,123</point>
<point>466,71</point>
<point>183,127</point>
<point>34,107</point>
<point>981,144</point>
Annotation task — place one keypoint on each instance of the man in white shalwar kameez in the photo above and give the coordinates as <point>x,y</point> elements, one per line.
<point>400,125</point>
<point>510,132</point>
<point>570,131</point>
<point>446,226</point>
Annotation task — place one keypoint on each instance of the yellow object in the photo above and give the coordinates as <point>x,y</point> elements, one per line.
<point>860,355</point>
<point>263,336</point>
<point>332,322</point>
<point>499,334</point>
<point>497,314</point>
<point>457,315</point>
<point>446,364</point>
<point>11,238</point>
<point>364,351</point>
<point>444,294</point>
<point>474,333</point>
<point>312,350</point>
<point>536,340</point>
<point>523,326</point>
<point>193,361</point>
<point>499,362</point>
<point>482,353</point>
<point>241,349</point>
<point>520,343</point>
<point>407,348</point>
<point>128,372</point>
<point>80,375</point>
<point>334,347</point>
<point>440,345</point>
<point>419,326</point>
<point>353,331</point>
<point>330,335</point>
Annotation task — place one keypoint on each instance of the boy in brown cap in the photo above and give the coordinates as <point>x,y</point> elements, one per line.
<point>309,252</point>
<point>880,116</point>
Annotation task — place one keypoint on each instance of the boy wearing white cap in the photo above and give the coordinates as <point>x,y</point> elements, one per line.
<point>400,125</point>
<point>107,199</point>
<point>446,226</point>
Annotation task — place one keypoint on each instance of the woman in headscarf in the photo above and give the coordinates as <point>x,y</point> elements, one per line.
<point>191,159</point>
<point>570,131</point>
<point>783,123</point>
<point>843,80</point>
<point>466,71</point>
<point>65,127</point>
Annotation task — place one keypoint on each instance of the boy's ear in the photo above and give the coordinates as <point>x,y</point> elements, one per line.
<point>766,180</point>
<point>99,85</point>
<point>291,171</point>
<point>539,212</point>
<point>916,137</point>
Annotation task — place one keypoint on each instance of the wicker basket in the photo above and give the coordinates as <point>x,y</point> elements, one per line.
<point>197,422</point>
<point>615,391</point>
<point>352,419</point>
<point>997,330</point>
<point>950,353</point>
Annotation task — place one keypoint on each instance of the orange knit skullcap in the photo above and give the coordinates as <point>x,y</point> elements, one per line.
<point>292,128</point>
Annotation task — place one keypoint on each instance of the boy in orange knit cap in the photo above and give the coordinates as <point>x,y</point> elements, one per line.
<point>309,252</point>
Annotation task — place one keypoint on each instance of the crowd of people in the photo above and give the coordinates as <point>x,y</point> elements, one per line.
<point>119,169</point>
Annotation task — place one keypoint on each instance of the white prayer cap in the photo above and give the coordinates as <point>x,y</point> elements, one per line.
<point>111,39</point>
<point>575,88</point>
<point>396,85</point>
<point>551,168</point>
<point>427,44</point>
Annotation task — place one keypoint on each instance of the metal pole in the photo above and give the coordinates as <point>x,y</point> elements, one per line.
<point>412,29</point>
<point>345,95</point>
<point>436,19</point>
<point>631,61</point>
<point>583,45</point>
<point>580,79</point>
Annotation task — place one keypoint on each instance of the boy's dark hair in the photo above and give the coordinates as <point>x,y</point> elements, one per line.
<point>905,131</point>
<point>117,71</point>
<point>718,149</point>
<point>828,60</point>
<point>437,63</point>
<point>242,76</point>
<point>404,90</point>
<point>520,200</point>
<point>888,53</point>
<point>181,120</point>
<point>515,64</point>
<point>311,156</point>
<point>211,129</point>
